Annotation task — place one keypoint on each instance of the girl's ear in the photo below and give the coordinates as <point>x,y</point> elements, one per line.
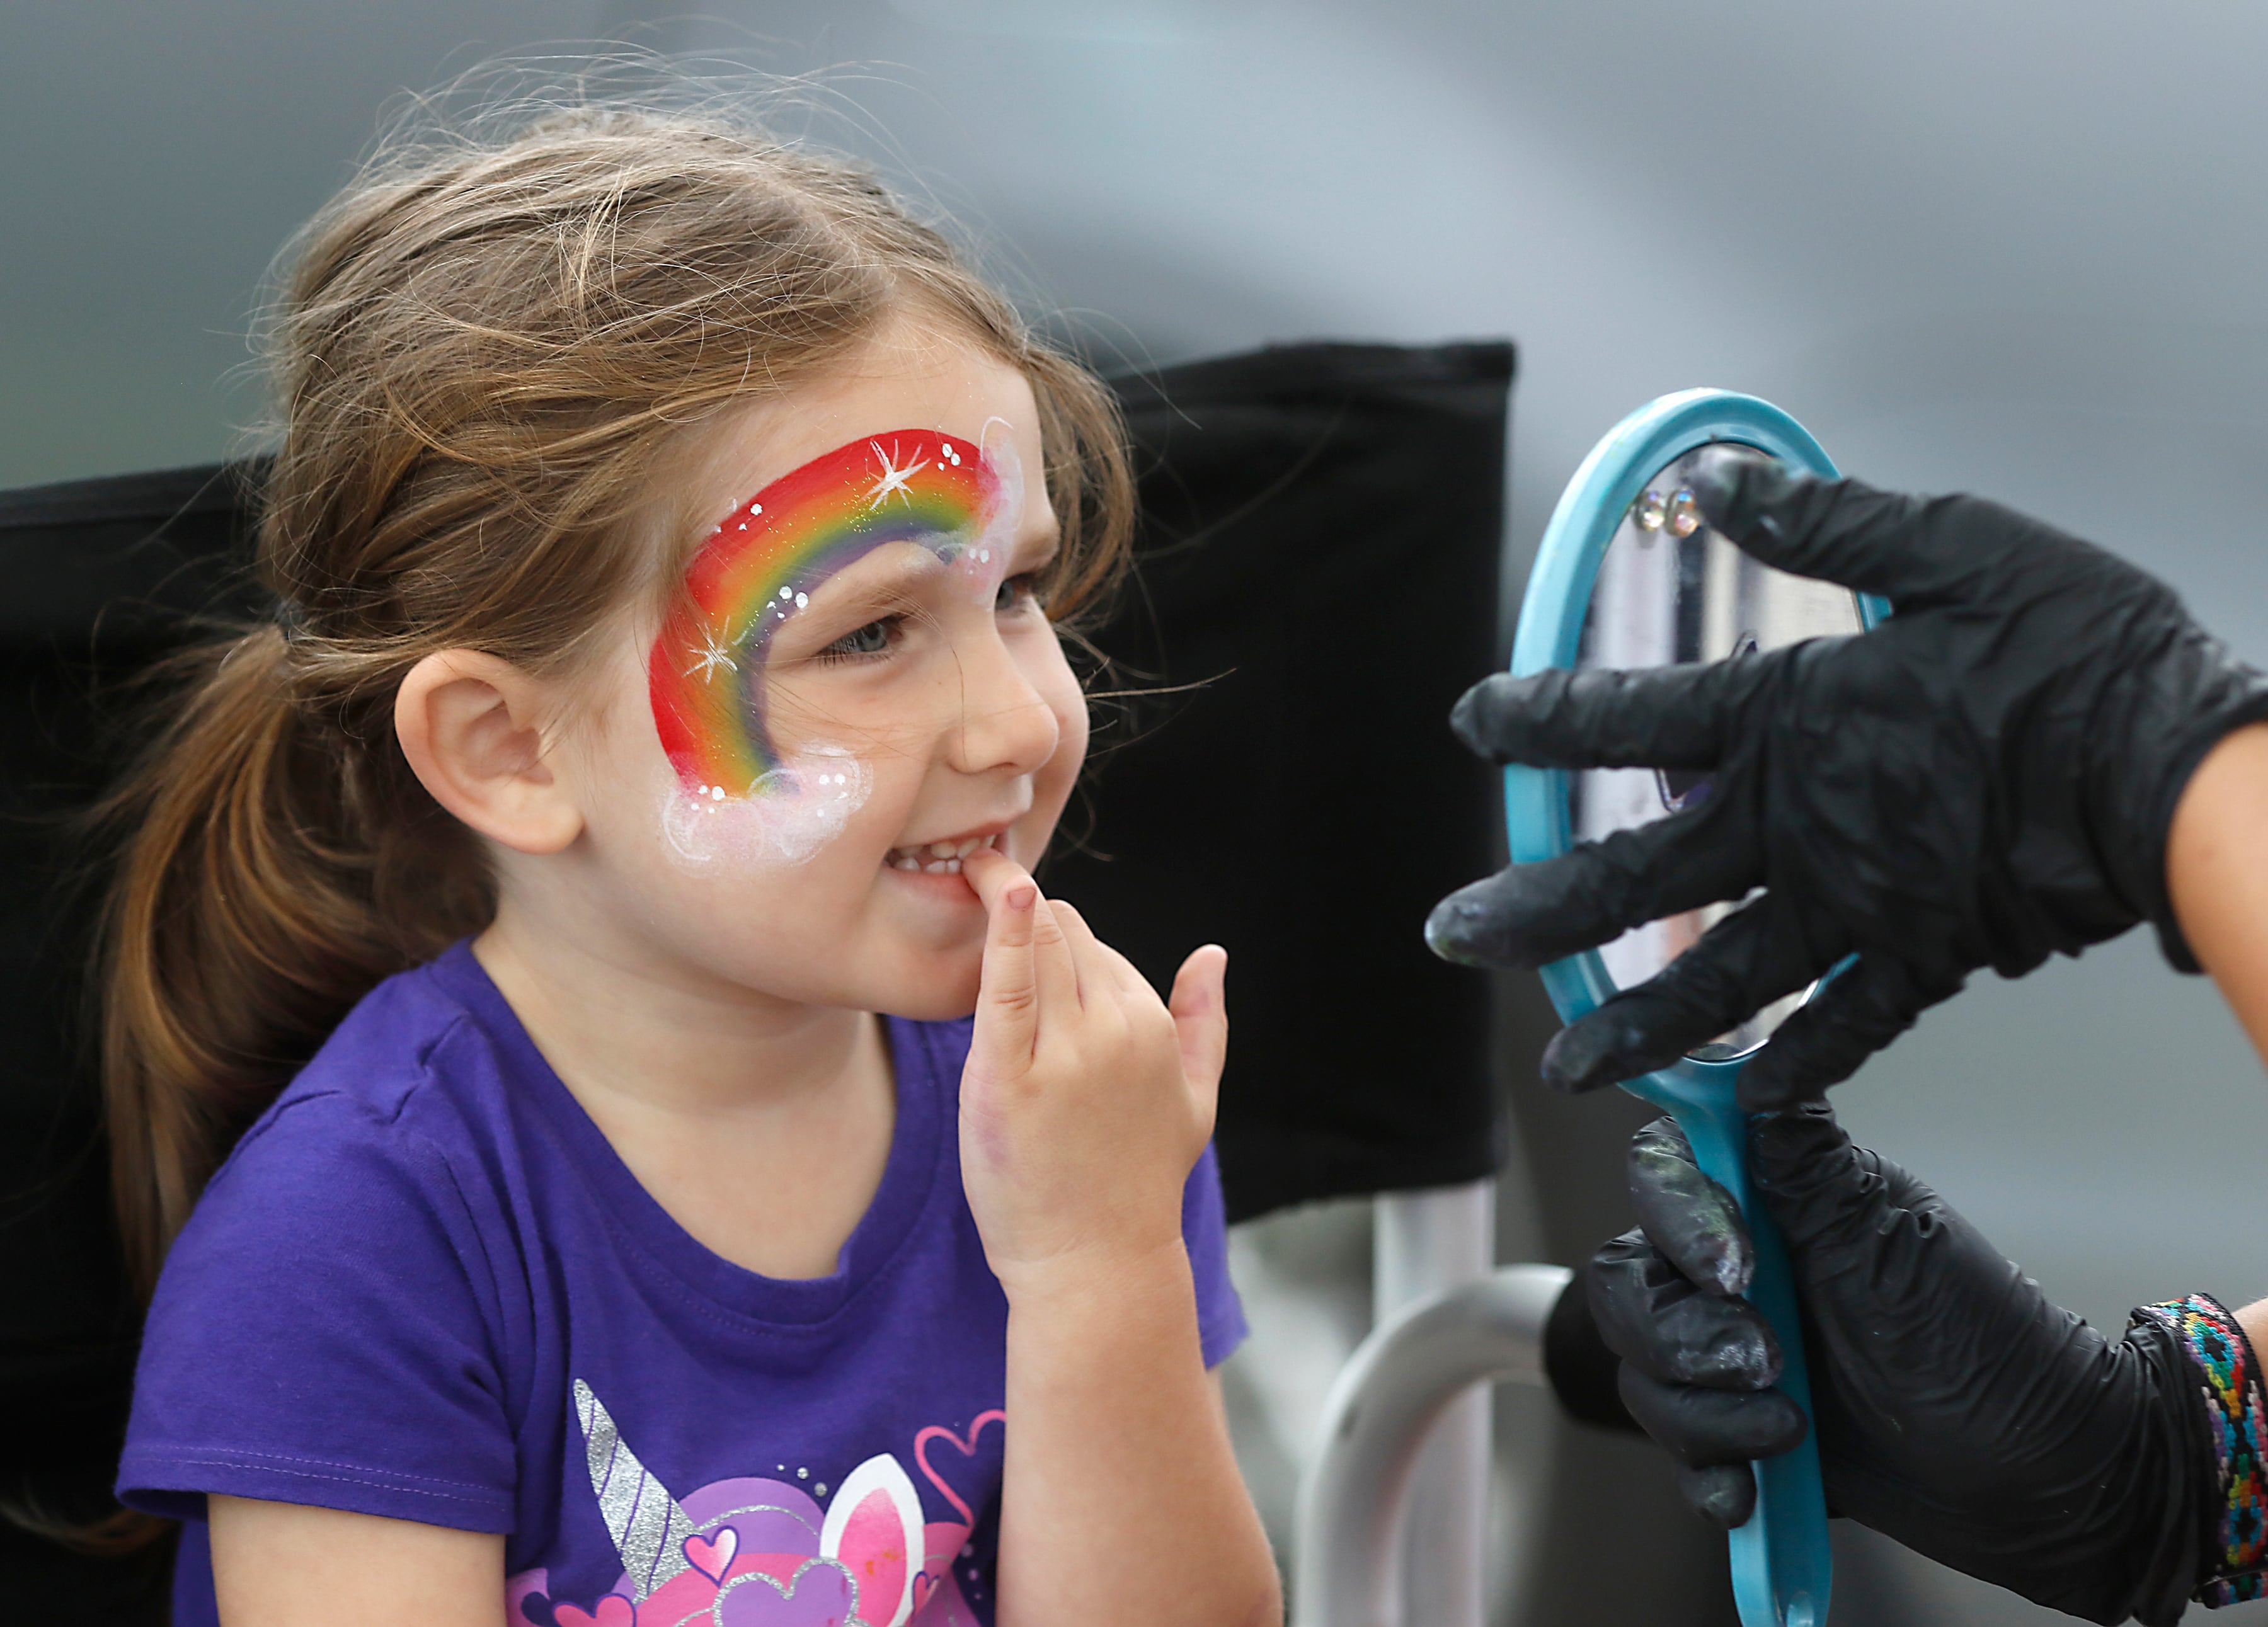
<point>471,726</point>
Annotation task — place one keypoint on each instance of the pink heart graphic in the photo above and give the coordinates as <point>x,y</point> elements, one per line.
<point>614,1611</point>
<point>712,1556</point>
<point>820,1595</point>
<point>966,1445</point>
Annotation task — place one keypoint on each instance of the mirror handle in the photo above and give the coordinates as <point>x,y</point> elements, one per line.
<point>1783,1568</point>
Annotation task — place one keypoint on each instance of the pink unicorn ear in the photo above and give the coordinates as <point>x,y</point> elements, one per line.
<point>875,1530</point>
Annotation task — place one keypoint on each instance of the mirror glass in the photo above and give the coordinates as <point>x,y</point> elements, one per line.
<point>1671,590</point>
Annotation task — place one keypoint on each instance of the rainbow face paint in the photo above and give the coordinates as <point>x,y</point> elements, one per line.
<point>735,787</point>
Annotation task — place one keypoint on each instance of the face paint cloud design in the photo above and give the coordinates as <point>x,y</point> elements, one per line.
<point>736,791</point>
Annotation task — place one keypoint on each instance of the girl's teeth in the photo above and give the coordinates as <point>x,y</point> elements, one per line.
<point>939,858</point>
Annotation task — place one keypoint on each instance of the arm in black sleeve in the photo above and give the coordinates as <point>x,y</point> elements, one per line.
<point>1582,1368</point>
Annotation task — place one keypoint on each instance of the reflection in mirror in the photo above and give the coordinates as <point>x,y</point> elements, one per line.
<point>1670,590</point>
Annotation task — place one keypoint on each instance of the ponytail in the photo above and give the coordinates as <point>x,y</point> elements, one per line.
<point>264,885</point>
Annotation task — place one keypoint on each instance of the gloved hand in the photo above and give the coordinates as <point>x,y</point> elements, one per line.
<point>1985,777</point>
<point>1958,1411</point>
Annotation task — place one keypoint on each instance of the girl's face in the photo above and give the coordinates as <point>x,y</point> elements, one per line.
<point>929,679</point>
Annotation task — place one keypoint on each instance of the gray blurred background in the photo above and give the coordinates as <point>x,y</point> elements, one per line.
<point>2013,246</point>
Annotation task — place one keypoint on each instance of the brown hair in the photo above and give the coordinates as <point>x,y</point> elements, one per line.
<point>484,350</point>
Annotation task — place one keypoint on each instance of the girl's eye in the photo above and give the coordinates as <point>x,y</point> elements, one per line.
<point>874,638</point>
<point>1016,591</point>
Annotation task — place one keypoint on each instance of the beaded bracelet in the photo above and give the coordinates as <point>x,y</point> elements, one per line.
<point>2235,1404</point>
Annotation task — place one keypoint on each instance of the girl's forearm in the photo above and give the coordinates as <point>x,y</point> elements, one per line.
<point>1121,1499</point>
<point>2217,870</point>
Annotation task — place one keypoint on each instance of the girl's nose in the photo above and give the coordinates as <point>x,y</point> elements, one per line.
<point>1005,722</point>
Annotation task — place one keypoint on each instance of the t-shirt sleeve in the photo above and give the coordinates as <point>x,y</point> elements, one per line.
<point>320,1335</point>
<point>1221,1327</point>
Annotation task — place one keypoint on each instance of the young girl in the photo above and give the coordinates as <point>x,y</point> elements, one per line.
<point>669,536</point>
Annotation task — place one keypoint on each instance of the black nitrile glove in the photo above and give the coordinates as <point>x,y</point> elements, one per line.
<point>1958,1411</point>
<point>1986,778</point>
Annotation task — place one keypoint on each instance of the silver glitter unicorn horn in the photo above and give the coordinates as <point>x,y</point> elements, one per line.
<point>648,1527</point>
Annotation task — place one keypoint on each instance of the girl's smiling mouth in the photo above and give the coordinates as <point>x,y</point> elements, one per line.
<point>941,857</point>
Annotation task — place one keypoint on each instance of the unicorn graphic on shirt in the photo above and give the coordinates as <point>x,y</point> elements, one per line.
<point>762,1553</point>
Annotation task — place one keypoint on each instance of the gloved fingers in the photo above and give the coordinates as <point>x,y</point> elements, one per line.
<point>1530,915</point>
<point>1652,1315</point>
<point>1740,966</point>
<point>1798,1146</point>
<point>1723,1494</point>
<point>1702,1428</point>
<point>1857,1011</point>
<point>1824,1192</point>
<point>1649,717</point>
<point>1821,1189</point>
<point>1690,1217</point>
<point>1911,550</point>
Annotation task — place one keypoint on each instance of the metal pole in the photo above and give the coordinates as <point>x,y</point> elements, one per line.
<point>1427,1241</point>
<point>1347,1569</point>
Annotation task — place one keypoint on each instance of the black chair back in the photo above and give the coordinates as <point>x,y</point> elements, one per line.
<point>1321,525</point>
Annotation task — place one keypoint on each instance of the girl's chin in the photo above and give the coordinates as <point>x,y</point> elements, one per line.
<point>946,997</point>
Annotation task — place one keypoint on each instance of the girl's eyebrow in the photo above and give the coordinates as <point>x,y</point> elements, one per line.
<point>889,581</point>
<point>884,578</point>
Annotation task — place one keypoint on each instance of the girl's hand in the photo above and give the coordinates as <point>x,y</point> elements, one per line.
<point>1084,1105</point>
<point>1086,1100</point>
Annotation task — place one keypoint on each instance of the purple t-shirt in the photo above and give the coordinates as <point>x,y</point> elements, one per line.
<point>424,1285</point>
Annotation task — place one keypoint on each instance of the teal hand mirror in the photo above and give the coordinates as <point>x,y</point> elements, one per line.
<point>1629,575</point>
